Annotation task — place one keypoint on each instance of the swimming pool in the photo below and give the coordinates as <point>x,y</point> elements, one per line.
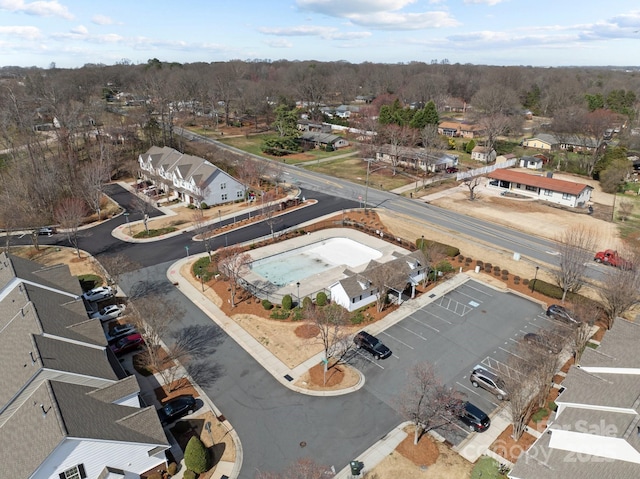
<point>292,266</point>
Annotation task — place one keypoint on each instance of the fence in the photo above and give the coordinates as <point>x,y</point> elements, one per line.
<point>463,175</point>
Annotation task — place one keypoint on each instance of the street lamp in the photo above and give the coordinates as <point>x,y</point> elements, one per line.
<point>126,217</point>
<point>535,276</point>
<point>366,183</point>
<point>219,219</point>
<point>298,285</point>
<point>422,243</point>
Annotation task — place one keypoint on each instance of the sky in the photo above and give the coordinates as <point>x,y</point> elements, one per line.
<point>72,33</point>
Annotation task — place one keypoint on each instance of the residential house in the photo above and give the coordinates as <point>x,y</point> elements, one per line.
<point>579,143</point>
<point>357,290</point>
<point>67,408</point>
<point>457,105</point>
<point>189,178</point>
<point>417,158</point>
<point>542,141</point>
<point>531,163</point>
<point>323,140</point>
<point>562,192</point>
<point>505,158</point>
<point>305,124</point>
<point>483,154</point>
<point>462,129</point>
<point>595,432</point>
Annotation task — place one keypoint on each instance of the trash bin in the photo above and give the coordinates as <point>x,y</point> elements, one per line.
<point>356,467</point>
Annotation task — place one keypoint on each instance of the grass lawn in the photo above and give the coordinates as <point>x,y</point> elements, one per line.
<point>486,468</point>
<point>630,227</point>
<point>355,170</point>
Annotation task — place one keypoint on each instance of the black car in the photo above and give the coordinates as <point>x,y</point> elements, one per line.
<point>176,408</point>
<point>475,418</point>
<point>370,343</point>
<point>561,313</point>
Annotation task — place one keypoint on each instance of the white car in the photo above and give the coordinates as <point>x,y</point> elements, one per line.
<point>112,311</point>
<point>98,294</point>
<point>120,331</point>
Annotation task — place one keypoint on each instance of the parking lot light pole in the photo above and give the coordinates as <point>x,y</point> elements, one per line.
<point>126,217</point>
<point>298,285</point>
<point>535,277</point>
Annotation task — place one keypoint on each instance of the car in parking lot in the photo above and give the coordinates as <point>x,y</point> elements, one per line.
<point>560,313</point>
<point>371,344</point>
<point>99,293</point>
<point>119,331</point>
<point>112,311</point>
<point>541,341</point>
<point>45,231</point>
<point>482,377</point>
<point>176,408</point>
<point>475,418</point>
<point>127,344</point>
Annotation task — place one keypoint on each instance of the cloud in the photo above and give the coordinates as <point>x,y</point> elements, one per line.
<point>381,14</point>
<point>102,20</point>
<point>29,33</point>
<point>279,43</point>
<point>39,8</point>
<point>491,3</point>
<point>80,30</point>
<point>328,33</point>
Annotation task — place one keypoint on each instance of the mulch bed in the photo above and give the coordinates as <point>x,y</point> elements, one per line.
<point>334,375</point>
<point>425,453</point>
<point>510,449</point>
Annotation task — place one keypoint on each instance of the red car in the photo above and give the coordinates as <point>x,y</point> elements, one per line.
<point>127,344</point>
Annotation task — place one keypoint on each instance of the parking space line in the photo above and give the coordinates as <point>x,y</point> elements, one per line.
<point>473,390</point>
<point>465,308</point>
<point>396,339</point>
<point>366,358</point>
<point>413,332</point>
<point>469,296</point>
<point>467,285</point>
<point>424,324</point>
<point>438,317</point>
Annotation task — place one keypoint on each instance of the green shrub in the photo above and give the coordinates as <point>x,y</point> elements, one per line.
<point>307,302</point>
<point>552,406</point>
<point>266,304</point>
<point>189,474</point>
<point>321,298</point>
<point>540,414</point>
<point>450,251</point>
<point>202,268</point>
<point>357,318</point>
<point>280,314</point>
<point>287,302</point>
<point>444,266</point>
<point>204,206</point>
<point>196,456</point>
<point>154,233</point>
<point>191,206</point>
<point>172,468</point>
<point>298,314</point>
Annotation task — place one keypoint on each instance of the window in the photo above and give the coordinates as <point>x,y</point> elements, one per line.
<point>239,194</point>
<point>224,197</point>
<point>531,188</point>
<point>566,196</point>
<point>548,193</point>
<point>76,472</point>
<point>223,186</point>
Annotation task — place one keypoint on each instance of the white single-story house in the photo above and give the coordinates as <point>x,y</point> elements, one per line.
<point>505,158</point>
<point>562,192</point>
<point>417,158</point>
<point>483,154</point>
<point>531,163</point>
<point>357,289</point>
<point>189,178</point>
<point>323,140</point>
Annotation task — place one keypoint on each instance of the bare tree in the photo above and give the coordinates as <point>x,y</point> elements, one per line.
<point>202,229</point>
<point>385,278</point>
<point>70,213</point>
<point>540,360</point>
<point>331,321</point>
<point>233,263</point>
<point>93,177</point>
<point>426,402</point>
<point>269,209</point>
<point>305,468</point>
<point>625,210</point>
<point>143,207</point>
<point>620,291</point>
<point>472,183</point>
<point>116,265</point>
<point>575,245</point>
<point>522,392</point>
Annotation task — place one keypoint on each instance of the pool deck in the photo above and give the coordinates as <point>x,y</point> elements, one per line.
<point>321,281</point>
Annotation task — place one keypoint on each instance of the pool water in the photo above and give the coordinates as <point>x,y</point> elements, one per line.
<point>292,266</point>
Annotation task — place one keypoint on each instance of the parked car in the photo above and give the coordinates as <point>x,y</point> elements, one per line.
<point>481,377</point>
<point>176,408</point>
<point>98,294</point>
<point>119,331</point>
<point>542,342</point>
<point>475,418</point>
<point>127,344</point>
<point>112,311</point>
<point>452,169</point>
<point>560,313</point>
<point>46,231</point>
<point>373,345</point>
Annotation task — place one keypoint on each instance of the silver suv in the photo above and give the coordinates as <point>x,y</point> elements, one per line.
<point>481,377</point>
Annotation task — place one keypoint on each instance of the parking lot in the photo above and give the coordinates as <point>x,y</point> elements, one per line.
<point>470,325</point>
